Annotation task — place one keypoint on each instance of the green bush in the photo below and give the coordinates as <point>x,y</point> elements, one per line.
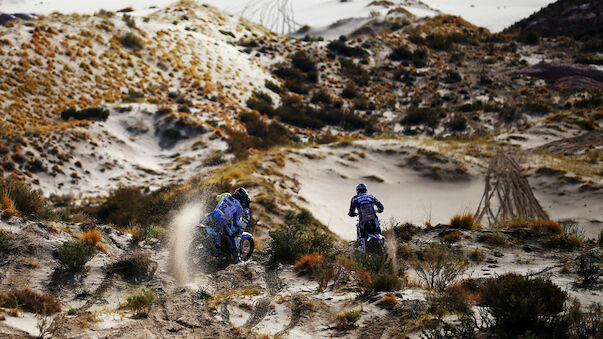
<point>375,273</point>
<point>517,303</point>
<point>131,41</point>
<point>142,301</point>
<point>26,201</point>
<point>91,113</point>
<point>301,235</point>
<point>74,255</point>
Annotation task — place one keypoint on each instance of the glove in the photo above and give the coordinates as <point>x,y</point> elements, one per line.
<point>380,211</point>
<point>353,214</point>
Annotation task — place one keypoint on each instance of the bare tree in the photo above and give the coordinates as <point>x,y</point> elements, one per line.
<point>276,15</point>
<point>507,193</point>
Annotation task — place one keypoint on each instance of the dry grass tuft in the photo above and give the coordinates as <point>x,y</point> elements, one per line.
<point>92,237</point>
<point>464,222</point>
<point>309,263</point>
<point>538,224</point>
<point>30,301</point>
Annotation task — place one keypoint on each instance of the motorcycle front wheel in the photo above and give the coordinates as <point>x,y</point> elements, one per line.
<point>246,248</point>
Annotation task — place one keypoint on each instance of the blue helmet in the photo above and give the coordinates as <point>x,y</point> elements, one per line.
<point>361,188</point>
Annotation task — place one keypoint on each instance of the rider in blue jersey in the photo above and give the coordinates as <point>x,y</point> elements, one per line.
<point>230,208</point>
<point>368,223</point>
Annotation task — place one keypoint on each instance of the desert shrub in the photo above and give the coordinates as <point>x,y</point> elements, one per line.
<point>136,267</point>
<point>452,77</point>
<point>493,239</point>
<point>90,113</point>
<point>438,267</point>
<point>465,330</point>
<point>123,207</point>
<point>528,37</point>
<point>588,270</point>
<point>517,303</point>
<point>419,57</point>
<point>422,115</point>
<point>405,232</point>
<point>400,53</point>
<point>305,64</point>
<point>340,47</point>
<point>592,102</point>
<point>444,42</point>
<point>464,222</point>
<point>30,301</point>
<point>452,237</point>
<point>74,255</point>
<point>538,224</point>
<point>457,123</point>
<point>354,71</point>
<point>588,324</point>
<point>476,255</point>
<point>308,263</point>
<point>142,301</point>
<point>261,102</point>
<point>347,320</point>
<point>131,41</point>
<point>350,91</point>
<point>321,96</point>
<point>321,268</point>
<point>5,242</point>
<point>263,134</point>
<point>18,195</point>
<point>133,96</point>
<point>536,107</point>
<point>405,76</point>
<point>563,241</point>
<point>274,87</point>
<point>301,235</point>
<point>375,273</point>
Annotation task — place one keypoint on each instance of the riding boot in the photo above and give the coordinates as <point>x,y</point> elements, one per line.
<point>235,256</point>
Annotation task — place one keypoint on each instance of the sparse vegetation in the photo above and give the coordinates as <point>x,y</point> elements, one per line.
<point>347,320</point>
<point>131,41</point>
<point>91,113</point>
<point>463,222</point>
<point>301,235</point>
<point>438,267</point>
<point>74,255</point>
<point>30,301</point>
<point>141,302</point>
<point>18,198</point>
<point>519,304</point>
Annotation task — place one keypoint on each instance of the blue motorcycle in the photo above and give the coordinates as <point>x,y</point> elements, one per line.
<point>207,244</point>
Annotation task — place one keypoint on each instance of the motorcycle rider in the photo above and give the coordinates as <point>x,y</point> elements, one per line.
<point>368,223</point>
<point>232,208</point>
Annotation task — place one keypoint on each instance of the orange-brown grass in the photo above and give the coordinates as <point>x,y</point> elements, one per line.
<point>389,300</point>
<point>464,222</point>
<point>542,225</point>
<point>452,237</point>
<point>8,206</point>
<point>31,301</point>
<point>309,263</point>
<point>93,239</point>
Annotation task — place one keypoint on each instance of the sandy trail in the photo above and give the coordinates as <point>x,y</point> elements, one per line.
<point>328,184</point>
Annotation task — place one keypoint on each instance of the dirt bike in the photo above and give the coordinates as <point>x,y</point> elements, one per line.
<point>374,242</point>
<point>207,244</point>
